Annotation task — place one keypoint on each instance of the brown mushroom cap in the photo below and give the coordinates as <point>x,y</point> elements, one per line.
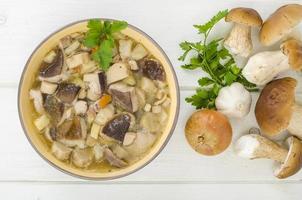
<point>245,16</point>
<point>274,107</point>
<point>208,132</point>
<point>293,49</point>
<point>280,23</point>
<point>293,162</point>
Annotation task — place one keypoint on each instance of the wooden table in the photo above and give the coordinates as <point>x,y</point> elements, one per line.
<point>178,172</point>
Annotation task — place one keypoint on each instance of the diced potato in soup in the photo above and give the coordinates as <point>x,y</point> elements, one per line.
<point>95,119</point>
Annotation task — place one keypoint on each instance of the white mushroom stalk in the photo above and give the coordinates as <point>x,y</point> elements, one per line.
<point>239,41</point>
<point>265,66</point>
<point>255,146</point>
<point>234,100</point>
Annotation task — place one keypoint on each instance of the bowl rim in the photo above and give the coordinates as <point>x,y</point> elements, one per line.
<point>166,139</point>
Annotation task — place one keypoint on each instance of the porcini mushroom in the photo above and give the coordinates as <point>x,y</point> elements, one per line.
<point>239,40</point>
<point>255,146</point>
<point>262,67</point>
<point>276,109</point>
<point>234,100</point>
<point>208,132</point>
<point>280,23</point>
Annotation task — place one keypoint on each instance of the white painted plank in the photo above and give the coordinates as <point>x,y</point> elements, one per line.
<point>50,191</point>
<point>26,23</point>
<point>177,162</point>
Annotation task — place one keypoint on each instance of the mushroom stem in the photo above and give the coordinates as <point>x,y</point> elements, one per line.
<point>255,146</point>
<point>239,40</point>
<point>263,67</point>
<point>295,124</point>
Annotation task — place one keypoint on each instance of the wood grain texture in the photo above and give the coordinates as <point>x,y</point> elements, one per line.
<point>178,172</point>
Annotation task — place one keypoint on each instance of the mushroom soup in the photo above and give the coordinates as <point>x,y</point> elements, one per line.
<point>97,119</point>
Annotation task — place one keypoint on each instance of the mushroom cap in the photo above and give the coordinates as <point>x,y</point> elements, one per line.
<point>293,161</point>
<point>293,49</point>
<point>208,132</point>
<point>280,23</point>
<point>275,106</point>
<point>245,16</point>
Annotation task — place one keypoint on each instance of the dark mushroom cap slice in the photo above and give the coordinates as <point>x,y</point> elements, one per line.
<point>67,92</point>
<point>54,108</point>
<point>274,107</point>
<point>117,127</point>
<point>152,69</point>
<point>54,68</point>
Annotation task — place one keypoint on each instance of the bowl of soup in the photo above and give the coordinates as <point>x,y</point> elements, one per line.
<point>94,123</point>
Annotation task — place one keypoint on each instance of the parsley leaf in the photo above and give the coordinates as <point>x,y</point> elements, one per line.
<point>99,37</point>
<point>210,24</point>
<point>216,61</point>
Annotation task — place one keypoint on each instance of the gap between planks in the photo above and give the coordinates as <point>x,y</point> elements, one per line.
<point>87,182</point>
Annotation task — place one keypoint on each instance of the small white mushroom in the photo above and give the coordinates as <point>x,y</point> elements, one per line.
<point>48,88</point>
<point>80,107</point>
<point>60,151</point>
<point>139,52</point>
<point>117,72</point>
<point>234,100</point>
<point>239,40</point>
<point>125,48</point>
<point>36,95</point>
<point>255,146</point>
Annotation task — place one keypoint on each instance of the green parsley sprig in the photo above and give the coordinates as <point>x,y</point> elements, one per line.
<point>99,37</point>
<point>214,59</point>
